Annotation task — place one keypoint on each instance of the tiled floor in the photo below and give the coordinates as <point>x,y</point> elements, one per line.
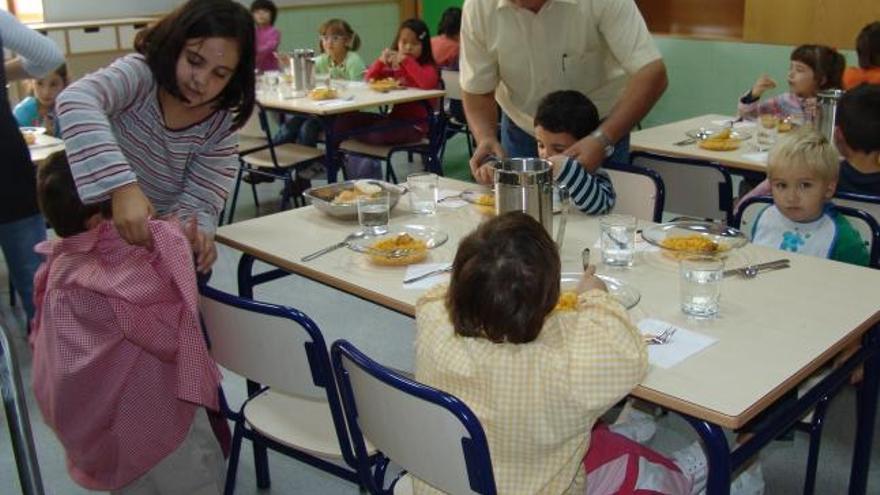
<point>388,337</point>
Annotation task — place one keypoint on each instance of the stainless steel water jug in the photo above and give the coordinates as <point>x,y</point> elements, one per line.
<point>826,119</point>
<point>526,184</point>
<point>302,64</point>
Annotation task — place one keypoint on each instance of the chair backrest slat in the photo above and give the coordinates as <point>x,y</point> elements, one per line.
<point>431,434</point>
<point>639,192</point>
<point>264,343</point>
<point>451,83</point>
<point>694,188</point>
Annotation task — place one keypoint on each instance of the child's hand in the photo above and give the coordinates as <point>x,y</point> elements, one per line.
<point>131,210</point>
<point>387,56</point>
<point>590,281</point>
<point>202,245</point>
<point>282,58</point>
<point>762,85</point>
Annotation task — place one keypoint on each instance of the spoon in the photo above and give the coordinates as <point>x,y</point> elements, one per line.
<point>348,238</point>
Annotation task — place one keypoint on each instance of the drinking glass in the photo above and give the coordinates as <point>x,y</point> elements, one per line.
<point>766,135</point>
<point>422,192</point>
<point>374,212</point>
<point>617,239</point>
<point>700,285</point>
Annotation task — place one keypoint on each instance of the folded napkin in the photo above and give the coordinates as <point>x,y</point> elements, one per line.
<point>455,202</point>
<point>760,157</point>
<point>427,282</point>
<point>682,345</point>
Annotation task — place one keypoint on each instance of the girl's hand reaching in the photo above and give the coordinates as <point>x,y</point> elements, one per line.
<point>202,245</point>
<point>131,210</point>
<point>762,85</point>
<point>590,281</point>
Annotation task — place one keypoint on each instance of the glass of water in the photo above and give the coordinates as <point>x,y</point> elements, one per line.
<point>700,283</point>
<point>766,134</point>
<point>374,212</point>
<point>617,238</point>
<point>422,192</point>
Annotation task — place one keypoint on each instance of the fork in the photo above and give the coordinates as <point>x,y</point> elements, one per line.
<point>662,337</point>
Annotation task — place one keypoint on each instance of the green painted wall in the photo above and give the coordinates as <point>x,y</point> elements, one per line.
<point>710,76</point>
<point>375,23</point>
<point>433,9</point>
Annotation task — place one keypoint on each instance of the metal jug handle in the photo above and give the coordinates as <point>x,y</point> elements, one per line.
<point>565,202</point>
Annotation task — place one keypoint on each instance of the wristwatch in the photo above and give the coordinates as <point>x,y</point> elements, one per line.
<point>600,136</point>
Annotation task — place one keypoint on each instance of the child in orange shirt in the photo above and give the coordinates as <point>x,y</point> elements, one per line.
<point>868,49</point>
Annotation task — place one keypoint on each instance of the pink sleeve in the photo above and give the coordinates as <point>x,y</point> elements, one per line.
<point>269,41</point>
<point>377,70</point>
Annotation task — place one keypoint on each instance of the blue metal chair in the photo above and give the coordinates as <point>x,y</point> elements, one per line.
<point>869,229</point>
<point>694,188</point>
<point>292,405</point>
<point>639,191</point>
<point>432,435</point>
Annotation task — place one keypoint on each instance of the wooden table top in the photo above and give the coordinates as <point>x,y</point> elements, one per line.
<point>660,140</point>
<point>773,331</point>
<point>361,97</point>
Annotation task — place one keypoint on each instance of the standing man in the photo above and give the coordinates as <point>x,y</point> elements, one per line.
<point>514,52</point>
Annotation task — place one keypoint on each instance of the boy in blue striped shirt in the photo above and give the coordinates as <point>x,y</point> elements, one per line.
<point>562,119</point>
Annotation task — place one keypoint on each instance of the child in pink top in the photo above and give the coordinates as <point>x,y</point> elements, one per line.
<point>410,61</point>
<point>268,38</point>
<point>445,45</point>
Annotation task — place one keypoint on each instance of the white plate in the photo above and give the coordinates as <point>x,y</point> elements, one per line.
<point>432,237</point>
<point>627,295</point>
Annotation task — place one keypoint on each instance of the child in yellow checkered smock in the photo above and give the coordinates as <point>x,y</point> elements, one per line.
<point>538,379</point>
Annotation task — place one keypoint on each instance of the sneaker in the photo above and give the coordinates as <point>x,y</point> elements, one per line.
<point>635,425</point>
<point>693,464</point>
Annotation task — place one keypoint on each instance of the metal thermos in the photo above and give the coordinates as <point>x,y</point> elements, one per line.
<point>827,107</point>
<point>302,64</point>
<point>526,184</point>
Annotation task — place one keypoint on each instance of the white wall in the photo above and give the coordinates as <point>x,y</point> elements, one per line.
<point>81,10</point>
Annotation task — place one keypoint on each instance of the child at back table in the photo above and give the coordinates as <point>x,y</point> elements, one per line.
<point>38,110</point>
<point>803,172</point>
<point>338,44</point>
<point>538,379</point>
<point>868,50</point>
<point>121,372</point>
<point>813,68</point>
<point>410,61</point>
<point>267,37</point>
<point>562,119</point>
<point>858,139</point>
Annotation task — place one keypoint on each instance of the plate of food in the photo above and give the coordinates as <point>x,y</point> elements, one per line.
<point>385,85</point>
<point>694,238</point>
<point>719,133</point>
<point>340,199</point>
<point>484,201</point>
<point>31,134</point>
<point>627,295</point>
<point>400,245</point>
<point>323,93</point>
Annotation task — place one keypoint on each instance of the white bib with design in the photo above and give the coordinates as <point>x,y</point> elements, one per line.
<point>814,238</point>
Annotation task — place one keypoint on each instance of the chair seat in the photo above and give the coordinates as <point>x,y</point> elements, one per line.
<point>376,150</point>
<point>404,485</point>
<point>247,144</point>
<point>297,422</point>
<point>288,154</point>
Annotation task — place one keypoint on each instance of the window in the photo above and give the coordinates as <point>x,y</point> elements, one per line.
<point>25,10</point>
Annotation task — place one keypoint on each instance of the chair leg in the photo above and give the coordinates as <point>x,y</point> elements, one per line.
<point>815,432</point>
<point>234,196</point>
<point>261,466</point>
<point>470,142</point>
<point>11,293</point>
<point>234,453</point>
<point>390,176</point>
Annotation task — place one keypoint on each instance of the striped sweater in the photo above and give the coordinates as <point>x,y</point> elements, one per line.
<point>115,134</point>
<point>593,193</point>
